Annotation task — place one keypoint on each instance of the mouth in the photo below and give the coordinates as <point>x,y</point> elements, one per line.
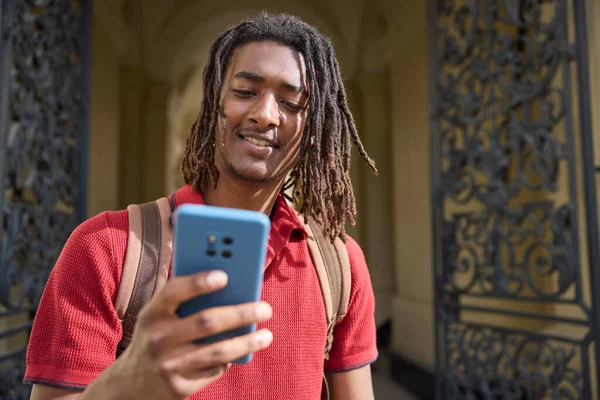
<point>258,142</point>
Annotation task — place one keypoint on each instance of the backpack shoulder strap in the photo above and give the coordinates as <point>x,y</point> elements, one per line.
<point>149,244</point>
<point>333,269</point>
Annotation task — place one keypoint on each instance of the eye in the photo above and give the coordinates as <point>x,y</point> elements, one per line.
<point>292,107</point>
<point>244,94</point>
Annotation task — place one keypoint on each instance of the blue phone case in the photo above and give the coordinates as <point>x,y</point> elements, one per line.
<point>232,240</point>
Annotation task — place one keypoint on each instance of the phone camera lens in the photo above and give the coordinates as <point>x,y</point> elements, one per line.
<point>227,240</point>
<point>227,254</point>
<point>211,252</point>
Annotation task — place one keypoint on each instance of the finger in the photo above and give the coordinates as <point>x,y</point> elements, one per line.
<point>171,333</point>
<point>206,373</point>
<point>216,320</point>
<point>190,383</point>
<point>219,353</point>
<point>182,288</point>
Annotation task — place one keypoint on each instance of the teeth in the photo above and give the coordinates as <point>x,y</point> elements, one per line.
<point>257,142</point>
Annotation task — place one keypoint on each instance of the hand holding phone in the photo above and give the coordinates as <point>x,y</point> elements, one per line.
<point>227,239</point>
<point>212,300</point>
<point>162,362</point>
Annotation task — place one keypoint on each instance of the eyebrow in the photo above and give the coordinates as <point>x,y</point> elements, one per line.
<point>251,76</point>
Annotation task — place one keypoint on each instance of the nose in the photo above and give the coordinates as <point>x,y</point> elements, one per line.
<point>265,112</point>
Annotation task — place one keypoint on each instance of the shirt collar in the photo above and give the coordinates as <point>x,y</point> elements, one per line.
<point>185,195</point>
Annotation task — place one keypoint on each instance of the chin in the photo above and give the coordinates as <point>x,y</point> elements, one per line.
<point>252,175</point>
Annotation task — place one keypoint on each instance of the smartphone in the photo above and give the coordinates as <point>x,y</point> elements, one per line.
<point>228,239</point>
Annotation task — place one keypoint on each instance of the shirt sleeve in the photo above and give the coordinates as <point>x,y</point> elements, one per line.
<point>76,329</point>
<point>354,341</point>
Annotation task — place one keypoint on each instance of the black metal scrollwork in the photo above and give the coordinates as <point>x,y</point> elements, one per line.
<point>42,148</point>
<point>505,194</point>
<point>508,365</point>
<point>501,106</point>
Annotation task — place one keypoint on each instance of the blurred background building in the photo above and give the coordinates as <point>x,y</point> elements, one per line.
<point>481,232</point>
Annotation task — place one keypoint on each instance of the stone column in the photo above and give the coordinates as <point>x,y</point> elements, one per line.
<point>155,147</point>
<point>376,192</point>
<point>133,94</point>
<point>143,137</point>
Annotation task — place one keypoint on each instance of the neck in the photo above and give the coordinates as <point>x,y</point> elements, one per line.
<point>235,193</point>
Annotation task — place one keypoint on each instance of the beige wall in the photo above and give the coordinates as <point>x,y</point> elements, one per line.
<point>155,141</point>
<point>104,125</point>
<point>412,307</point>
<point>144,137</point>
<point>375,206</point>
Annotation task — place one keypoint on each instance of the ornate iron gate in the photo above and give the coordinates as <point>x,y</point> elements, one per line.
<point>44,78</point>
<point>514,201</point>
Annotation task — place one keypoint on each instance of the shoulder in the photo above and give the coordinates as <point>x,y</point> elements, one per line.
<point>97,245</point>
<point>76,310</point>
<point>107,230</point>
<point>107,223</point>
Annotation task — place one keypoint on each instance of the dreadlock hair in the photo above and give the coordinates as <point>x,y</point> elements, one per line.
<point>321,178</point>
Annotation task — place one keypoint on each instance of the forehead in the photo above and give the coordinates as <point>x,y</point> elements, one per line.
<point>269,59</point>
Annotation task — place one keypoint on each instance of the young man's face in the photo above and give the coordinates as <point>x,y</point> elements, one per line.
<point>264,99</point>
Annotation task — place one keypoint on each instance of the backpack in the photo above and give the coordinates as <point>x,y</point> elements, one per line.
<point>150,243</point>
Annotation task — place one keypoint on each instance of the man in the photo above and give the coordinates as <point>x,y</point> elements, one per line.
<point>274,117</point>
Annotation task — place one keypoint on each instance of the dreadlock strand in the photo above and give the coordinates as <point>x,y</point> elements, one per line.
<point>326,202</point>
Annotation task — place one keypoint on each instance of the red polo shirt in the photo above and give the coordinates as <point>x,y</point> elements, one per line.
<point>76,329</point>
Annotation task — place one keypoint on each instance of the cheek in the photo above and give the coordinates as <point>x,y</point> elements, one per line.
<point>233,110</point>
<point>295,127</point>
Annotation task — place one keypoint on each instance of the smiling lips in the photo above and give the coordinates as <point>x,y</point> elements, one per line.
<point>258,142</point>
